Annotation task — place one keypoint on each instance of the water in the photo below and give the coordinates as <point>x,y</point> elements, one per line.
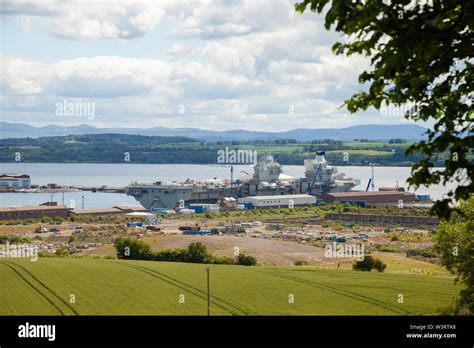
<point>71,199</point>
<point>120,175</point>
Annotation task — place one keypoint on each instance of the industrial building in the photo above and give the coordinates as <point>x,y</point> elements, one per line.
<point>14,181</point>
<point>277,201</point>
<point>50,209</point>
<point>376,197</point>
<point>116,210</point>
<point>204,208</point>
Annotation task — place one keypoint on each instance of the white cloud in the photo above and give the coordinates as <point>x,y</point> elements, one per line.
<point>83,20</point>
<point>179,51</point>
<point>238,64</point>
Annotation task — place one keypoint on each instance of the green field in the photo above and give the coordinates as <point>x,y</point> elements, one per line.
<point>118,287</point>
<point>361,152</point>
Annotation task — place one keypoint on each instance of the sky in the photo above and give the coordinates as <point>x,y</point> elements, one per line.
<point>219,65</point>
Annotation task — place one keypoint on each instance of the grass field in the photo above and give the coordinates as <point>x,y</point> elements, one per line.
<point>361,152</point>
<point>113,287</point>
<point>374,144</point>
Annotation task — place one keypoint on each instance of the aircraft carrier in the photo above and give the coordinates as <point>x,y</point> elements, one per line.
<point>268,179</point>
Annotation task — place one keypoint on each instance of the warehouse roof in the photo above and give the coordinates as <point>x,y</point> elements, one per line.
<point>130,208</point>
<point>280,196</point>
<point>139,213</point>
<point>14,175</point>
<point>32,208</point>
<point>374,193</point>
<point>97,211</point>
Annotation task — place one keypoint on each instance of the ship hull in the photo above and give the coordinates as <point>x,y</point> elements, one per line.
<point>153,197</point>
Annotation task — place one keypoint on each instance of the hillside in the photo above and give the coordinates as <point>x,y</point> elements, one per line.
<point>112,287</point>
<point>113,148</point>
<point>371,132</point>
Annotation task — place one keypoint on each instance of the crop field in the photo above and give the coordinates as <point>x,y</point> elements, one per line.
<point>69,286</point>
<point>361,152</point>
<point>374,144</point>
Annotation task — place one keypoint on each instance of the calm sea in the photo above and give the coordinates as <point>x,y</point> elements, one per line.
<point>119,175</point>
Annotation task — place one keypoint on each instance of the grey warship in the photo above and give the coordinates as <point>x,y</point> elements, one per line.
<point>267,180</point>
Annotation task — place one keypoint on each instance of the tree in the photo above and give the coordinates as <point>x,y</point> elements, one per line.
<point>421,55</point>
<point>369,263</point>
<point>455,244</point>
<point>131,248</point>
<point>379,265</point>
<point>197,253</point>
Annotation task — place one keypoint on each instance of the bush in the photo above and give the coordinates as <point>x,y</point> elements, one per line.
<point>301,263</point>
<point>429,253</point>
<point>379,265</point>
<point>13,240</point>
<point>62,253</point>
<point>365,265</point>
<point>369,263</point>
<point>45,254</point>
<point>247,260</point>
<point>387,248</point>
<point>223,260</point>
<point>131,248</point>
<point>197,253</point>
<point>170,255</point>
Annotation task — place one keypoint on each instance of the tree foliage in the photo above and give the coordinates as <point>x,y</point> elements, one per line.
<point>421,55</point>
<point>131,248</point>
<point>196,252</point>
<point>369,263</point>
<point>247,260</point>
<point>111,148</point>
<point>455,243</point>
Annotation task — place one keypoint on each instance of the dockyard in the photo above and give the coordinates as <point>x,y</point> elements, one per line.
<point>280,218</point>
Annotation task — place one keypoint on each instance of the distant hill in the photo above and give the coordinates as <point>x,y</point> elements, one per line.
<point>371,132</point>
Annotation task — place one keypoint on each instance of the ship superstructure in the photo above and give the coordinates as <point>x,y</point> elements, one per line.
<point>267,180</point>
<point>321,178</point>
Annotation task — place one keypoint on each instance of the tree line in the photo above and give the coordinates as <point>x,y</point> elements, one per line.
<point>123,148</point>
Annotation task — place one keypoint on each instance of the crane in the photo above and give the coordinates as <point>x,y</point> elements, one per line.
<point>314,179</point>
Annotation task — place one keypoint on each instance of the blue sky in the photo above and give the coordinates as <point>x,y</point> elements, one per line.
<point>219,65</point>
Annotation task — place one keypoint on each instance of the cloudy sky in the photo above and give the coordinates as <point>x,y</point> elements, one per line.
<point>218,65</point>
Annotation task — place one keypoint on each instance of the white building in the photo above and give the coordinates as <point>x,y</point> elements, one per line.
<point>151,218</point>
<point>283,201</point>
